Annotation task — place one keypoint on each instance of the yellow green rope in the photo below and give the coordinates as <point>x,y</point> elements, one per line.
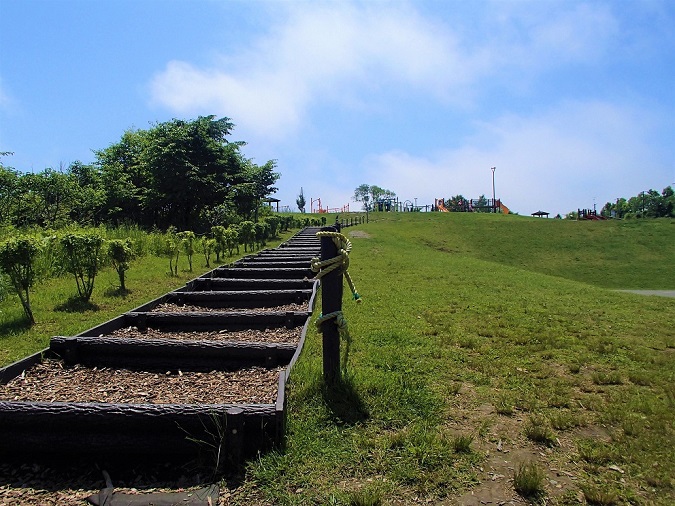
<point>344,247</point>
<point>341,260</point>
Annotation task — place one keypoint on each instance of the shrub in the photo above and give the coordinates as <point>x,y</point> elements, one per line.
<point>120,253</point>
<point>17,260</point>
<point>82,258</point>
<point>187,243</point>
<point>207,246</point>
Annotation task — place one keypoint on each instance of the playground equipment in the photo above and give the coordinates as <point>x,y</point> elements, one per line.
<point>319,209</point>
<point>587,214</point>
<point>471,205</point>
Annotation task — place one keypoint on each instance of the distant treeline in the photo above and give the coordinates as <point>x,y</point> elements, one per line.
<point>179,173</point>
<point>647,204</point>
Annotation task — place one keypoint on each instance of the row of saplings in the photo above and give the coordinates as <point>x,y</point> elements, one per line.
<point>27,258</point>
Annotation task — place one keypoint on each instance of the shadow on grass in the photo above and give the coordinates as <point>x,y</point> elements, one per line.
<point>117,292</point>
<point>14,326</point>
<point>344,401</point>
<point>76,305</point>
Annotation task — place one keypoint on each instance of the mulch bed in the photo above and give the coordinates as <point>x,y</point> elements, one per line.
<point>273,335</point>
<point>51,381</point>
<point>187,308</point>
<point>70,484</point>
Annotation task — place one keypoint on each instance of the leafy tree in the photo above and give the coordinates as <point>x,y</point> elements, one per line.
<point>207,246</point>
<point>82,255</point>
<point>247,234</point>
<point>261,231</point>
<point>187,241</point>
<point>231,239</point>
<point>256,183</point>
<point>362,194</point>
<point>125,179</point>
<point>650,204</point>
<point>9,194</point>
<point>456,203</point>
<point>47,199</point>
<point>273,223</point>
<point>89,195</point>
<point>218,233</point>
<point>121,253</point>
<point>172,249</point>
<point>17,260</point>
<point>300,201</point>
<point>181,173</point>
<point>371,193</point>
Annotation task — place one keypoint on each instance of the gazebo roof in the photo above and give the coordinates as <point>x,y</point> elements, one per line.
<point>540,213</point>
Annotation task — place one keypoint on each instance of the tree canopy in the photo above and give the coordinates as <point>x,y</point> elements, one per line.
<point>648,204</point>
<point>370,194</point>
<point>177,173</point>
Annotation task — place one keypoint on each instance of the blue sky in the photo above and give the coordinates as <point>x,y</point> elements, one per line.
<point>572,102</point>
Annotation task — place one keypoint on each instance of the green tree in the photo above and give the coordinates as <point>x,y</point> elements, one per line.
<point>187,242</point>
<point>231,239</point>
<point>273,222</point>
<point>17,259</point>
<point>218,233</point>
<point>82,256</point>
<point>170,248</point>
<point>125,179</point>
<point>256,183</point>
<point>120,254</point>
<point>207,246</point>
<point>300,201</point>
<point>261,231</point>
<point>247,234</point>
<point>362,194</point>
<point>89,195</point>
<point>176,173</point>
<point>9,191</point>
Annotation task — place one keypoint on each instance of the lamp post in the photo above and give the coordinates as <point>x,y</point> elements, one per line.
<point>494,203</point>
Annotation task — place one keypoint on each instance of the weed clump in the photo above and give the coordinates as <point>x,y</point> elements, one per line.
<point>598,497</point>
<point>539,431</point>
<point>462,443</point>
<point>528,481</point>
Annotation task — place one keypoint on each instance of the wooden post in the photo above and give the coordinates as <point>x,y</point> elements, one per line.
<point>331,301</point>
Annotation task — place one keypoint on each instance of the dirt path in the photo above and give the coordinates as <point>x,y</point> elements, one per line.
<point>660,293</point>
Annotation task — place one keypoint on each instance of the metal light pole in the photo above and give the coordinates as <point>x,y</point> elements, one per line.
<point>494,202</point>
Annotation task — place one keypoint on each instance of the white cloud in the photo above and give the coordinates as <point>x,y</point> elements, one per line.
<point>319,51</point>
<point>347,53</point>
<point>555,161</point>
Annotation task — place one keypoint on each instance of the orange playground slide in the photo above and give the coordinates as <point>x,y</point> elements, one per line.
<point>505,210</point>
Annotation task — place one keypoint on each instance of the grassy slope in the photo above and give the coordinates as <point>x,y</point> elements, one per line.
<point>479,326</point>
<point>56,314</point>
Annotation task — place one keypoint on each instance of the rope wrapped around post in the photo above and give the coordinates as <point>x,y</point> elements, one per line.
<point>340,261</point>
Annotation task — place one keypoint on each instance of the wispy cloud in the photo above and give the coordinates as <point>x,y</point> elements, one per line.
<point>343,51</point>
<point>592,149</point>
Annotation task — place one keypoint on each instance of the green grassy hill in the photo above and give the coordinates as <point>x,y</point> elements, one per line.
<point>484,343</point>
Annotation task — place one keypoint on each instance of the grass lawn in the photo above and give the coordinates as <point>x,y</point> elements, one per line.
<point>57,312</point>
<point>485,344</point>
<point>490,354</point>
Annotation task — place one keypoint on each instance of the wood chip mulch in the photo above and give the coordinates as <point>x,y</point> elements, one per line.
<point>187,308</point>
<point>69,484</point>
<point>273,335</point>
<point>51,381</point>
